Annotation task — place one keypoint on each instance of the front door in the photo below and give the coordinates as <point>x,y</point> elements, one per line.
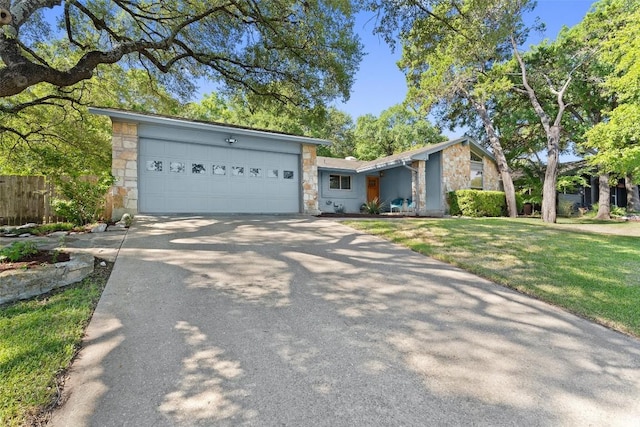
<point>373,188</point>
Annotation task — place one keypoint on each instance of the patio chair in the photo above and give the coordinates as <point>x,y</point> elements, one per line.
<point>396,204</point>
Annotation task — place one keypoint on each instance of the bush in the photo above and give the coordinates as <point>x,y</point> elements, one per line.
<point>84,198</point>
<point>478,203</point>
<point>372,207</point>
<point>17,250</point>
<point>565,208</point>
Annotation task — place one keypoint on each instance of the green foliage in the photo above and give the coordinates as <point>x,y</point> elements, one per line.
<point>373,207</point>
<point>45,229</point>
<point>330,124</point>
<point>565,208</point>
<point>17,250</point>
<point>397,129</point>
<point>478,203</point>
<point>84,198</point>
<point>617,211</point>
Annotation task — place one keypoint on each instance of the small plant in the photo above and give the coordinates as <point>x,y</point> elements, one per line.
<point>339,209</point>
<point>373,207</point>
<point>43,229</point>
<point>127,219</point>
<point>617,211</point>
<point>17,251</point>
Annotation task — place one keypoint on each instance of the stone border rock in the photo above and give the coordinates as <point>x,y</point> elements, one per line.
<point>21,284</point>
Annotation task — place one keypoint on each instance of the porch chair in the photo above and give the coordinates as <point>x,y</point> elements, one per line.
<point>396,204</point>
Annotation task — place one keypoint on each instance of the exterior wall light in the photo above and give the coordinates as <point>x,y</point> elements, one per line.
<point>231,140</point>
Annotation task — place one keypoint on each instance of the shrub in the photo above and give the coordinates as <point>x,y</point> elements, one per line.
<point>44,229</point>
<point>17,250</point>
<point>84,198</point>
<point>617,211</point>
<point>372,207</point>
<point>477,203</point>
<point>565,208</point>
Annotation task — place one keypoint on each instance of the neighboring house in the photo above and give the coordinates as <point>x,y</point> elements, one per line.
<point>588,196</point>
<point>170,165</point>
<point>421,177</point>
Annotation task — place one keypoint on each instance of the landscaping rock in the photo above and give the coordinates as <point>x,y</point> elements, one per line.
<point>21,284</point>
<point>25,235</point>
<point>25,226</point>
<point>100,228</point>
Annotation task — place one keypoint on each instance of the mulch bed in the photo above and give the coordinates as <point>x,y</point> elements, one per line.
<point>39,258</point>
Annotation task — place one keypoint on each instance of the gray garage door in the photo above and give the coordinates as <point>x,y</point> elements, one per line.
<point>177,177</point>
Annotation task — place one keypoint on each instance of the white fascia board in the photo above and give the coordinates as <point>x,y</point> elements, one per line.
<point>185,123</point>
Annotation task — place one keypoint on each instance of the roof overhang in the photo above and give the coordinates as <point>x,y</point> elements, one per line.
<point>153,119</point>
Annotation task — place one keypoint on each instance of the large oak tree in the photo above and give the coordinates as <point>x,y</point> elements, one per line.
<point>281,51</point>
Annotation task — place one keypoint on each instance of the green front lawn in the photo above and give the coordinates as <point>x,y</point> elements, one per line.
<point>38,339</point>
<point>591,274</point>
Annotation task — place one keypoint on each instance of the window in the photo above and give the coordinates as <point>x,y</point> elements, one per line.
<point>255,172</point>
<point>476,178</point>
<point>272,173</point>
<point>340,182</point>
<point>198,168</point>
<point>287,174</point>
<point>475,157</point>
<point>154,165</point>
<point>177,167</point>
<point>219,169</point>
<point>237,170</point>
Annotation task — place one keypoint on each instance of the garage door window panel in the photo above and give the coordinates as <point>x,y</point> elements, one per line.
<point>198,169</point>
<point>154,165</point>
<point>219,170</point>
<point>237,171</point>
<point>255,172</point>
<point>272,173</point>
<point>177,167</point>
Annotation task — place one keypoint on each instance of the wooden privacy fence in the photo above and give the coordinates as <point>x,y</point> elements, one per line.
<point>26,199</point>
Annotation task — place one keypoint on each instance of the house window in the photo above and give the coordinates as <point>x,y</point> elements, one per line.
<point>340,182</point>
<point>476,177</point>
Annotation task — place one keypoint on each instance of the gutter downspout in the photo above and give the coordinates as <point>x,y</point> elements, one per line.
<point>414,179</point>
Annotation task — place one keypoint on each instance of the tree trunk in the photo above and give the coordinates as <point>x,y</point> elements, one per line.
<point>549,194</point>
<point>604,196</point>
<point>501,160</point>
<point>633,196</point>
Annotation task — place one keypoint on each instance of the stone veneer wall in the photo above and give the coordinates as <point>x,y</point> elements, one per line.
<point>310,180</point>
<point>456,168</point>
<point>124,167</point>
<point>490,175</point>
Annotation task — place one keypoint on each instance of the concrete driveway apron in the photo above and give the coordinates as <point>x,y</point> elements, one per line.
<point>305,322</point>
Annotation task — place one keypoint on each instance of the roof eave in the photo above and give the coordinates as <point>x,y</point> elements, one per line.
<point>185,123</point>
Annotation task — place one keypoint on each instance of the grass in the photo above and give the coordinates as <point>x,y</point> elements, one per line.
<point>38,340</point>
<point>590,274</point>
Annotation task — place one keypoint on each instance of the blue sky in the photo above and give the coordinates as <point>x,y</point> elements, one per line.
<point>380,84</point>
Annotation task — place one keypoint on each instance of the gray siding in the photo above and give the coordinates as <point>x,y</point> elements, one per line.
<point>434,203</point>
<point>213,138</point>
<point>351,200</point>
<point>395,183</point>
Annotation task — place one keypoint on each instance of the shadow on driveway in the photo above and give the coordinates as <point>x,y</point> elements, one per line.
<point>302,321</point>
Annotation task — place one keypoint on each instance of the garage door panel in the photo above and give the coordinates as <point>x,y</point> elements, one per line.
<point>244,181</point>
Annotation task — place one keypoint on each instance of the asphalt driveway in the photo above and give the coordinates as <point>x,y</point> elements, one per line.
<point>273,321</point>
